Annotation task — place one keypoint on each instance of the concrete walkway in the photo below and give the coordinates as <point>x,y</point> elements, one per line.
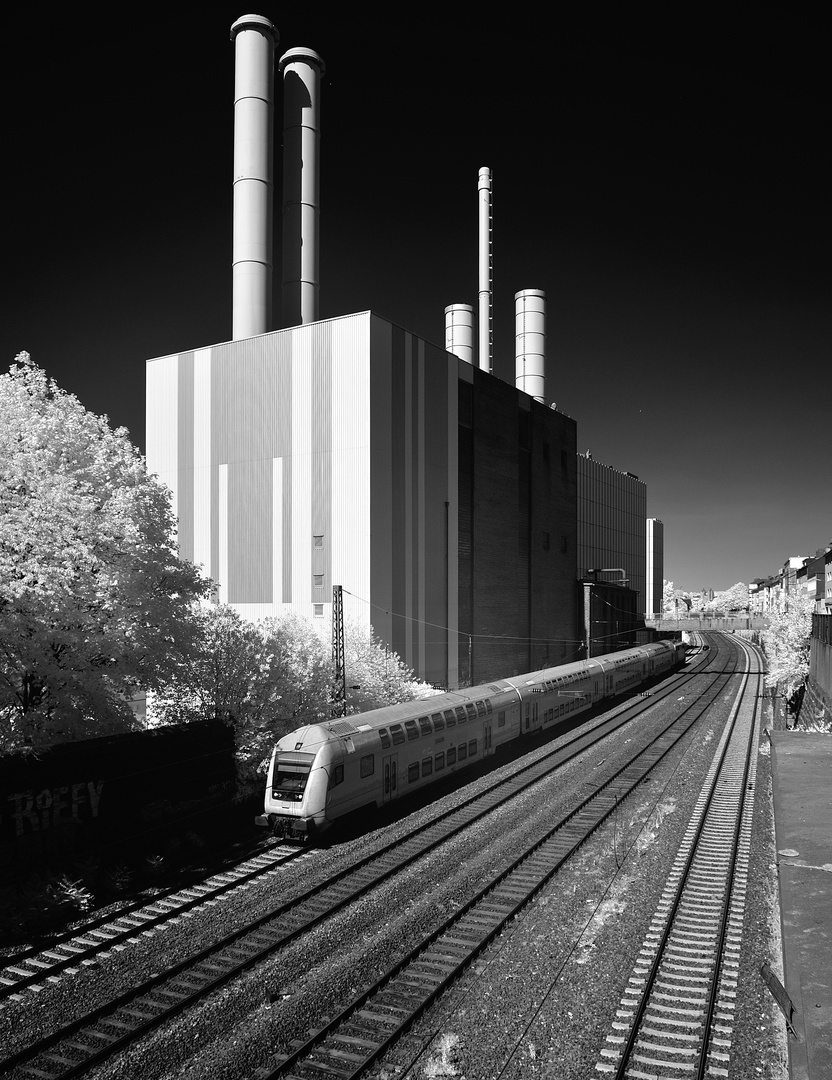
<point>802,789</point>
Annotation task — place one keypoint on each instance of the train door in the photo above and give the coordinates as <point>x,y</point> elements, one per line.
<point>389,772</point>
<point>486,737</point>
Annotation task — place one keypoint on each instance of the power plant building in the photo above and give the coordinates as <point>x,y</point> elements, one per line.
<point>350,452</point>
<point>451,507</point>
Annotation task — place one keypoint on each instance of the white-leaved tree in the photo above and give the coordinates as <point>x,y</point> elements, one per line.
<point>375,675</point>
<point>94,600</point>
<point>787,641</point>
<point>270,677</point>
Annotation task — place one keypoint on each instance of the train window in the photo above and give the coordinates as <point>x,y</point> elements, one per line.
<point>413,772</point>
<point>472,747</point>
<point>472,711</point>
<point>438,722</point>
<point>424,724</point>
<point>501,718</point>
<point>412,729</point>
<point>460,714</point>
<point>385,738</point>
<point>461,752</point>
<point>450,719</point>
<point>397,732</point>
<point>336,776</point>
<point>451,758</point>
<point>427,766</point>
<point>439,761</point>
<point>367,765</point>
<point>489,708</point>
<point>481,708</point>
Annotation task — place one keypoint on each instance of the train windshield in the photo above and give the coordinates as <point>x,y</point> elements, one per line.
<point>290,773</point>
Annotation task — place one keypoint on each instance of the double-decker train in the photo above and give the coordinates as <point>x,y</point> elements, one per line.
<point>324,771</point>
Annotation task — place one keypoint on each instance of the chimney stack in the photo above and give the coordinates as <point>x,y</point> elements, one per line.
<point>255,39</point>
<point>302,72</point>
<point>484,201</point>
<point>459,331</point>
<point>530,342</point>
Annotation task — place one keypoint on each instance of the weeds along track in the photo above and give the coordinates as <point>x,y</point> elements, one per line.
<point>675,1018</point>
<point>30,971</point>
<point>78,1046</point>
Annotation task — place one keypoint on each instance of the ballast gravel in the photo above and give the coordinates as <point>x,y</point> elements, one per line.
<point>537,1002</point>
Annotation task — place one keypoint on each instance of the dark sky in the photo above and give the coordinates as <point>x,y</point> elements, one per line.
<point>665,183</point>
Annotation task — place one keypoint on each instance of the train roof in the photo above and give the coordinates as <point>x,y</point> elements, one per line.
<point>360,723</point>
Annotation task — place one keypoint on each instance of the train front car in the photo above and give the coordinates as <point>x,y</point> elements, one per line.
<point>300,773</point>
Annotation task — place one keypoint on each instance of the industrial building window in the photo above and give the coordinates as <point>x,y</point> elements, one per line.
<point>367,765</point>
<point>318,541</point>
<point>318,610</point>
<point>318,581</point>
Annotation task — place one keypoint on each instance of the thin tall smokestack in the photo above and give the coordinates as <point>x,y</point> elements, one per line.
<point>484,200</point>
<point>530,342</point>
<point>255,39</point>
<point>302,72</point>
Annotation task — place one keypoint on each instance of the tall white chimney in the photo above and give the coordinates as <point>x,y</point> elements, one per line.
<point>255,39</point>
<point>530,342</point>
<point>484,326</point>
<point>459,331</point>
<point>302,72</point>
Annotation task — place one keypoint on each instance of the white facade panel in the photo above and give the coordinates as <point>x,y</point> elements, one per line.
<point>301,465</point>
<point>202,461</point>
<point>222,533</point>
<point>277,532</point>
<point>350,553</point>
<point>162,422</point>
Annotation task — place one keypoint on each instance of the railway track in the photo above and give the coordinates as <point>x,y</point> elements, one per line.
<point>66,956</point>
<point>75,1048</point>
<point>675,1019</point>
<point>348,1044</point>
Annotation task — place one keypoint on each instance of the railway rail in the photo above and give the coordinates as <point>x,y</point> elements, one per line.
<point>32,970</point>
<point>675,1018</point>
<point>72,1050</point>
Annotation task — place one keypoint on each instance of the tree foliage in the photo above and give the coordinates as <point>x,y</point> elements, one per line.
<point>787,642</point>
<point>270,677</point>
<point>94,600</point>
<point>733,599</point>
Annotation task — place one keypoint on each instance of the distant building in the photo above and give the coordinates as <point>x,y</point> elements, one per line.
<point>654,570</point>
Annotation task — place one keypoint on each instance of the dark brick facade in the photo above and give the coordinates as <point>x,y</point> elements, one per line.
<point>517,532</point>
